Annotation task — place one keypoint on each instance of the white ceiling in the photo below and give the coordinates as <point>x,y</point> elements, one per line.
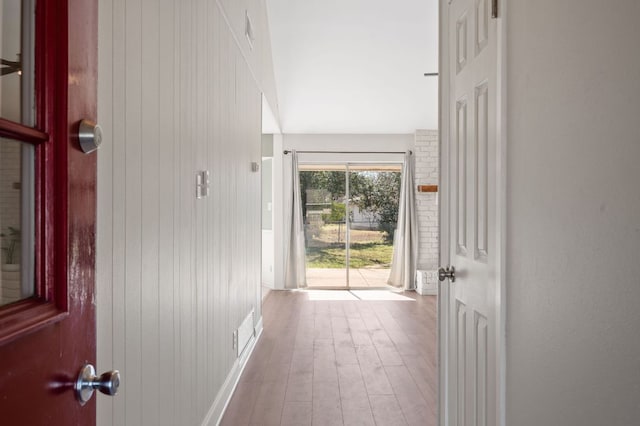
<point>355,66</point>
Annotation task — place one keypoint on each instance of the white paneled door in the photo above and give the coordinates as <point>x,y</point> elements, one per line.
<point>474,208</point>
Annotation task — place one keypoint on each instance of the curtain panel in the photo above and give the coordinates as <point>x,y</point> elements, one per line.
<point>405,241</point>
<point>295,270</point>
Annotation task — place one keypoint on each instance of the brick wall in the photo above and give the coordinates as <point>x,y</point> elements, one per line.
<point>426,173</point>
<point>10,168</point>
<point>9,215</point>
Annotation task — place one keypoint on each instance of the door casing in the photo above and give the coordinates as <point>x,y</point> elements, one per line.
<point>348,286</point>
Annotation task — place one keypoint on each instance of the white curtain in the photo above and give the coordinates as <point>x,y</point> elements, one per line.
<point>295,271</point>
<point>405,240</point>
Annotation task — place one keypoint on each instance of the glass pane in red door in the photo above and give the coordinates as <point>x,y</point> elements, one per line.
<point>16,57</point>
<point>16,221</point>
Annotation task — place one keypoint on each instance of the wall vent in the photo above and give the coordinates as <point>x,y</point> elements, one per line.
<point>248,30</point>
<point>245,333</point>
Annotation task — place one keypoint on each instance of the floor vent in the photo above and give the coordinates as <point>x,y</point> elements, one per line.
<point>245,333</point>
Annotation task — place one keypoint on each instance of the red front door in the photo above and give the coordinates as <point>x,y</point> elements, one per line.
<point>47,322</point>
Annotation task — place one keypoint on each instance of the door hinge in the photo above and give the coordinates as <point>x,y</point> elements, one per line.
<point>494,9</point>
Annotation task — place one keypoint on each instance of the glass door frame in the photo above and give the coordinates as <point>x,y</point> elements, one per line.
<point>347,164</point>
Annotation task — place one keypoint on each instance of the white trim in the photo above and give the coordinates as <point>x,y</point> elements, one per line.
<point>257,330</point>
<point>279,208</point>
<point>501,222</point>
<point>365,158</point>
<point>270,124</point>
<point>220,404</point>
<point>443,214</point>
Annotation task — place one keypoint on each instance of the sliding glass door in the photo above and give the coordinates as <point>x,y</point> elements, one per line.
<point>350,212</point>
<point>323,192</point>
<point>373,213</point>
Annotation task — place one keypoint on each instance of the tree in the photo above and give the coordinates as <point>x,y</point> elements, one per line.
<point>331,181</point>
<point>338,213</point>
<point>377,194</point>
<point>380,195</point>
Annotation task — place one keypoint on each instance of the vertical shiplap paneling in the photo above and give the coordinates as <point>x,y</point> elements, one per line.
<point>166,182</point>
<point>208,341</point>
<point>104,230</point>
<point>218,190</point>
<point>149,167</point>
<point>215,217</point>
<point>227,146</point>
<point>254,138</point>
<point>267,76</point>
<point>133,213</point>
<point>185,213</point>
<point>236,208</point>
<point>118,178</point>
<point>176,275</point>
<point>177,243</point>
<point>200,96</point>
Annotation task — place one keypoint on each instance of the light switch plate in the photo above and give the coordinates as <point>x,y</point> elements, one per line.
<point>202,184</point>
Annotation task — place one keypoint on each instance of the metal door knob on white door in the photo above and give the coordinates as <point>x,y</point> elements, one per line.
<point>448,272</point>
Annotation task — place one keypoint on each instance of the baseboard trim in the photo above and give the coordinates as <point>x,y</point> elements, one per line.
<point>257,330</point>
<point>219,406</point>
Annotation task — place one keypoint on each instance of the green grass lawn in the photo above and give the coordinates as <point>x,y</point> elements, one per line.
<point>363,255</point>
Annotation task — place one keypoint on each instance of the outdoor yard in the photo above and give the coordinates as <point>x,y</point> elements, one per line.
<point>326,249</point>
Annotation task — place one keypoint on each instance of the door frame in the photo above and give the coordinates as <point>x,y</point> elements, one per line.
<point>443,200</point>
<point>347,163</point>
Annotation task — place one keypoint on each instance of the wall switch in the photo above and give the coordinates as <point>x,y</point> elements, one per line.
<point>202,184</point>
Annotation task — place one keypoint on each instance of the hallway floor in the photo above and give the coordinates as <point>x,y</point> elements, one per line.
<point>341,358</point>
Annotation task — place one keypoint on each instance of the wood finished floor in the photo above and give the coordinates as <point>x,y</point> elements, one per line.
<point>340,362</point>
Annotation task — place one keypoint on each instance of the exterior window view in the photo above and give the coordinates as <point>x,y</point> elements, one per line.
<point>350,214</point>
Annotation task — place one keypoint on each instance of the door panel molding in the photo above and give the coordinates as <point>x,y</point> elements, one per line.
<point>486,204</point>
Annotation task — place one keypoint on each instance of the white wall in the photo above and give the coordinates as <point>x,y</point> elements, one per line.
<point>573,249</point>
<point>356,66</point>
<point>267,212</point>
<point>258,54</point>
<point>176,275</point>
